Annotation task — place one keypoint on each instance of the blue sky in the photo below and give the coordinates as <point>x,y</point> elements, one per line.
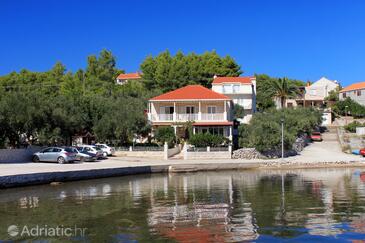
<point>299,39</point>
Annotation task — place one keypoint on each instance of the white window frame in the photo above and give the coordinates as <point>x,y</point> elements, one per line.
<point>190,106</point>
<point>235,86</point>
<point>212,106</point>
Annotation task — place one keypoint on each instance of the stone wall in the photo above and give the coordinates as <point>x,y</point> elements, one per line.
<point>208,155</point>
<point>18,155</point>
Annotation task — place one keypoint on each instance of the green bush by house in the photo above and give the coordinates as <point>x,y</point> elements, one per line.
<point>165,134</point>
<point>207,139</point>
<point>349,107</point>
<point>264,130</point>
<point>351,127</point>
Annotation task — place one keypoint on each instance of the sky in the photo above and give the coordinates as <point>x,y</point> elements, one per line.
<point>304,39</point>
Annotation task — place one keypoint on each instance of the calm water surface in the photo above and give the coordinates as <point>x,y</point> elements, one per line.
<point>322,205</point>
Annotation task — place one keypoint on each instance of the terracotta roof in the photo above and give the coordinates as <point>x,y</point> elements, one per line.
<point>242,80</point>
<point>191,92</point>
<point>129,76</point>
<point>355,86</point>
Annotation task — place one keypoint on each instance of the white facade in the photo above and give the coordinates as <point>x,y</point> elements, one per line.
<point>320,89</point>
<point>355,91</point>
<point>241,93</point>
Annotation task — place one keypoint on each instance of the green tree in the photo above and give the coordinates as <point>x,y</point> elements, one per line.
<point>264,130</point>
<point>165,134</point>
<point>166,72</point>
<point>283,90</point>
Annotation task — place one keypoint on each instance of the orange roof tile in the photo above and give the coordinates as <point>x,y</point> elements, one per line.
<point>129,76</point>
<point>242,80</point>
<point>191,92</point>
<point>355,86</point>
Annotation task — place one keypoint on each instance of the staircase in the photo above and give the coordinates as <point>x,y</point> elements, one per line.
<point>331,134</point>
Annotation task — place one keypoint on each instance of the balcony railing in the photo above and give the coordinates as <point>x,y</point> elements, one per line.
<point>189,117</point>
<point>213,116</point>
<point>163,117</point>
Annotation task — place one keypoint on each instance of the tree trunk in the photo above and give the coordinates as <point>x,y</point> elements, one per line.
<point>282,102</point>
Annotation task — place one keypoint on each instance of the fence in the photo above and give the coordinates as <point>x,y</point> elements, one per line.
<point>208,152</point>
<point>163,152</point>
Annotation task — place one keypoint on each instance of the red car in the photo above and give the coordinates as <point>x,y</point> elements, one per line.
<point>362,152</point>
<point>316,136</point>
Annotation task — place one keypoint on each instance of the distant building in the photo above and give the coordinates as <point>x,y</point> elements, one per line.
<point>242,91</point>
<point>312,95</point>
<point>123,78</point>
<point>354,91</point>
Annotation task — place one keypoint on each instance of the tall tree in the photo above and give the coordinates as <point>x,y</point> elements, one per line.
<point>284,90</point>
<point>167,72</point>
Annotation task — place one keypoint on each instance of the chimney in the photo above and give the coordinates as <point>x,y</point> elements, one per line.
<point>215,76</point>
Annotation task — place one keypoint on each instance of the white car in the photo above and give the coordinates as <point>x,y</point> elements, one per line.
<point>91,149</point>
<point>107,150</point>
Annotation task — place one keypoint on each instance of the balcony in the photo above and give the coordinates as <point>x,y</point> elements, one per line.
<point>178,117</point>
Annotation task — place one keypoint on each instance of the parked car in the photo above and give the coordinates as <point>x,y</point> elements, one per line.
<point>108,151</point>
<point>55,154</point>
<point>84,156</point>
<point>316,136</point>
<point>91,149</point>
<point>362,152</point>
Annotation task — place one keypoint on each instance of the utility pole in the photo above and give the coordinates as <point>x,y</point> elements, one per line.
<point>282,138</point>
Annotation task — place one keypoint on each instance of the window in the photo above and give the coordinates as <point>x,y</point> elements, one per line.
<point>47,150</point>
<point>343,95</point>
<point>236,88</point>
<point>359,93</point>
<point>212,109</point>
<point>227,88</point>
<point>216,130</point>
<point>190,110</point>
<point>167,110</point>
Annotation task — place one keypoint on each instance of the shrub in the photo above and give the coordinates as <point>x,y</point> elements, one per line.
<point>353,108</point>
<point>165,134</point>
<point>207,139</point>
<point>351,127</point>
<point>264,130</point>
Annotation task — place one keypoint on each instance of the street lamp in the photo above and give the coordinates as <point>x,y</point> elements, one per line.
<point>346,114</point>
<point>282,138</point>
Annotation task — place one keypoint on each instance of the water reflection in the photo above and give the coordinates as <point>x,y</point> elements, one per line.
<point>234,206</point>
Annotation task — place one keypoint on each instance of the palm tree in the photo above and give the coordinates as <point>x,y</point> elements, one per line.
<point>283,90</point>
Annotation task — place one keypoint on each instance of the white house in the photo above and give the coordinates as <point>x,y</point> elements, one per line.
<point>242,91</point>
<point>312,95</point>
<point>123,78</point>
<point>354,91</point>
<point>208,111</point>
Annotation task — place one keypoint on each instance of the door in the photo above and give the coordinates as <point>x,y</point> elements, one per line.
<point>166,113</point>
<point>211,112</point>
<point>190,111</point>
<point>55,154</point>
<point>45,155</point>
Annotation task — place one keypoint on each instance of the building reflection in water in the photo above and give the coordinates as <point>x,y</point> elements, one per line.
<point>224,206</point>
<point>213,221</point>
